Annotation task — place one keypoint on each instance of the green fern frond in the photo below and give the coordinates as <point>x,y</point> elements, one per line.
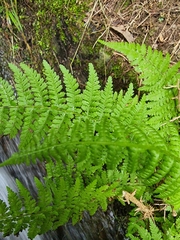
<point>14,121</point>
<point>11,118</point>
<point>150,63</point>
<point>107,99</point>
<point>155,232</point>
<point>125,101</point>
<point>14,202</point>
<point>7,97</point>
<point>54,86</point>
<point>73,98</point>
<point>93,143</point>
<point>138,230</point>
<point>91,95</point>
<point>157,74</point>
<point>28,201</point>
<point>24,97</point>
<point>38,86</point>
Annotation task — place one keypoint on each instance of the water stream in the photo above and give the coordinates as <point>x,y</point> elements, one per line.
<point>7,180</point>
<point>25,174</point>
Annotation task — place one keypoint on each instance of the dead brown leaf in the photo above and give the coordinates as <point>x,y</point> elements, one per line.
<point>126,34</point>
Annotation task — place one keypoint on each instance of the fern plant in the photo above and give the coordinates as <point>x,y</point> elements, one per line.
<point>95,144</point>
<point>153,233</point>
<point>166,228</point>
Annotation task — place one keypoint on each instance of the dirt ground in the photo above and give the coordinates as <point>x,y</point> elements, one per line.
<point>153,22</point>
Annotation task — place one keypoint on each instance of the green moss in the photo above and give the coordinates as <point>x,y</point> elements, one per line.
<point>127,3</point>
<point>58,16</point>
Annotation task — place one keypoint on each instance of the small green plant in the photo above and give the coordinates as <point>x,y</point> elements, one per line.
<point>141,229</point>
<point>96,144</point>
<point>13,19</point>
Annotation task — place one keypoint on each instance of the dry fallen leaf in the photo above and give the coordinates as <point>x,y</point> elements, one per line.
<point>126,34</point>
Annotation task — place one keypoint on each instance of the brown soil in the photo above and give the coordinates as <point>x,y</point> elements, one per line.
<point>153,22</point>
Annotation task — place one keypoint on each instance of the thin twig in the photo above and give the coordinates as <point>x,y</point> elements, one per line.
<point>83,34</point>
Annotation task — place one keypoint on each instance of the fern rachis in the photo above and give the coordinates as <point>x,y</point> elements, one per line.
<point>96,143</point>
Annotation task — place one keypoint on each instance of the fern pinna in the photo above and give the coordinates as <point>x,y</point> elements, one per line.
<point>94,143</point>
